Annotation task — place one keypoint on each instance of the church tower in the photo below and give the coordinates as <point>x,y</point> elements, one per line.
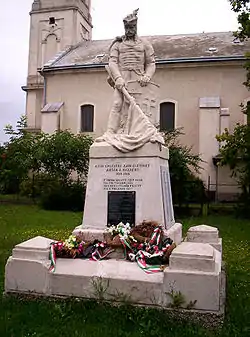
<point>55,25</point>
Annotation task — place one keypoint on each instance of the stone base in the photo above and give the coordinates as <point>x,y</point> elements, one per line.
<point>142,174</point>
<point>121,281</point>
<point>175,233</point>
<point>27,271</point>
<point>89,234</point>
<point>205,234</point>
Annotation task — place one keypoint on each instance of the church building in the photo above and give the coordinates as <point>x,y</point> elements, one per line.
<point>200,78</point>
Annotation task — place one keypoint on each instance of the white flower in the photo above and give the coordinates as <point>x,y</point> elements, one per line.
<point>127,226</point>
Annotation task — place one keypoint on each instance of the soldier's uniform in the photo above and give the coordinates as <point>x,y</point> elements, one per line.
<point>131,57</point>
<point>128,59</point>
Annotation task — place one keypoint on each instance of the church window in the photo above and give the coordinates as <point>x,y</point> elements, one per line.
<point>87,118</point>
<point>167,116</point>
<point>52,20</point>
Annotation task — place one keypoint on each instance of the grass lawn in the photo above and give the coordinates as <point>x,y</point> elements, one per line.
<point>22,317</point>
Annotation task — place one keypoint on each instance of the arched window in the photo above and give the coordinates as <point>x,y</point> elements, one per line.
<point>87,118</point>
<point>167,116</point>
<point>50,47</point>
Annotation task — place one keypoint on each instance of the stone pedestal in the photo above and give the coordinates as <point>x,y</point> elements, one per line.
<point>195,272</point>
<point>193,256</point>
<point>205,234</point>
<point>26,270</point>
<point>144,173</point>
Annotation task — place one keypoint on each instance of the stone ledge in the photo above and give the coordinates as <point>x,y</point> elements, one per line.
<point>104,150</point>
<point>193,256</point>
<point>27,276</point>
<point>33,249</point>
<point>175,233</point>
<point>203,234</point>
<point>88,234</point>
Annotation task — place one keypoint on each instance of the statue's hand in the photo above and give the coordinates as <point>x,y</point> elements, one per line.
<point>144,80</point>
<point>119,83</point>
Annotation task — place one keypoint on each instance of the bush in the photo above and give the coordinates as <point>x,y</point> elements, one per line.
<point>60,155</point>
<point>34,185</point>
<point>186,187</point>
<point>189,191</point>
<point>60,195</point>
<point>9,183</point>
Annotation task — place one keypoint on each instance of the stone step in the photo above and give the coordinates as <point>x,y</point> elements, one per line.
<point>113,269</point>
<point>108,279</point>
<point>193,256</point>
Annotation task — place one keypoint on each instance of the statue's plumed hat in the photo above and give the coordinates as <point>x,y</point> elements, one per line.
<point>131,17</point>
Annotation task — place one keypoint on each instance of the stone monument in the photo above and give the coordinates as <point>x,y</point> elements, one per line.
<point>128,174</point>
<point>128,181</point>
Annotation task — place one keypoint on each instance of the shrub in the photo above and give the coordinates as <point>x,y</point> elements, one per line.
<point>60,195</point>
<point>60,155</point>
<point>186,187</point>
<point>34,185</point>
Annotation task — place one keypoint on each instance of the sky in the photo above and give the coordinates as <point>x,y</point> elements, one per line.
<point>158,17</point>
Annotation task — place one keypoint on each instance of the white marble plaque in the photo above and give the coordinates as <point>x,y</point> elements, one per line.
<point>209,102</point>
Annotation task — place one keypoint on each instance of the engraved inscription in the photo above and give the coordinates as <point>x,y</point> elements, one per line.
<point>125,184</point>
<point>122,176</point>
<point>122,169</point>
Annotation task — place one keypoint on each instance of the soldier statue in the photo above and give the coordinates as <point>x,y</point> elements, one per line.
<point>131,65</point>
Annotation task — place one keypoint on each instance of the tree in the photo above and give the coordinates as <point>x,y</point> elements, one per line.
<point>27,155</point>
<point>242,8</point>
<point>235,149</point>
<point>183,165</point>
<point>18,156</point>
<point>63,153</point>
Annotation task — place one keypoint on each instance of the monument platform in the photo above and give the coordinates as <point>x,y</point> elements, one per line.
<point>194,271</point>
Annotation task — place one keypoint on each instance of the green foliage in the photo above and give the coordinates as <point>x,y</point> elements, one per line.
<point>121,297</point>
<point>235,152</point>
<point>63,195</point>
<point>186,187</point>
<point>64,153</point>
<point>34,185</point>
<point>44,165</point>
<point>100,287</point>
<point>246,83</point>
<point>235,149</point>
<point>19,157</point>
<point>242,8</point>
<point>177,298</point>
